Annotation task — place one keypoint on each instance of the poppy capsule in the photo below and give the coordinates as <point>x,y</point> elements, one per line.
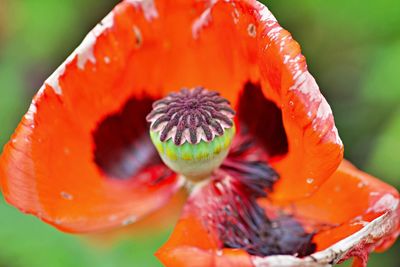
<point>82,158</point>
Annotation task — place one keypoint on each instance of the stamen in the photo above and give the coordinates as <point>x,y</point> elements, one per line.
<point>230,208</point>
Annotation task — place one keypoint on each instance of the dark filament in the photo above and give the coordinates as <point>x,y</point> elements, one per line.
<point>191,109</point>
<point>240,221</point>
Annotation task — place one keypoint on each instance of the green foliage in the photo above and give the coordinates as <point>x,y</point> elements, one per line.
<point>26,241</point>
<point>48,21</point>
<point>11,107</point>
<point>384,161</point>
<point>381,84</point>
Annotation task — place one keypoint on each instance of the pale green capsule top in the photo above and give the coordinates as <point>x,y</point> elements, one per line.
<point>196,161</point>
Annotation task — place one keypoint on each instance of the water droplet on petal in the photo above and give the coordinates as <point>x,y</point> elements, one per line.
<point>66,196</point>
<point>310,180</point>
<point>129,220</point>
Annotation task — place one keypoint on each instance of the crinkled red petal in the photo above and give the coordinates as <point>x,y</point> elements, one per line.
<point>349,200</point>
<point>85,130</point>
<point>352,215</point>
<point>147,49</point>
<point>192,244</point>
<point>222,222</point>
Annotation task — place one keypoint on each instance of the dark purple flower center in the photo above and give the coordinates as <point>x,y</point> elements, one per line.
<point>122,146</point>
<point>123,149</point>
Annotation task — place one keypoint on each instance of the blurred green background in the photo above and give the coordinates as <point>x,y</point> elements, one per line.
<point>352,48</point>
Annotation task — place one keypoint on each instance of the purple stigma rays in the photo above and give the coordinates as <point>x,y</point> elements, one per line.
<point>191,116</point>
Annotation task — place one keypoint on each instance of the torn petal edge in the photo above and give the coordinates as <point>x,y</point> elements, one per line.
<point>84,52</point>
<point>342,250</point>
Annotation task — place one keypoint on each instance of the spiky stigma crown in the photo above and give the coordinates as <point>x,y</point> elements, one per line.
<point>192,131</point>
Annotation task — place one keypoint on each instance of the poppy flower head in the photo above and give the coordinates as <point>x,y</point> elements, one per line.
<point>228,201</point>
<point>86,158</point>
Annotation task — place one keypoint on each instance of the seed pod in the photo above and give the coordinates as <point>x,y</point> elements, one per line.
<point>192,131</point>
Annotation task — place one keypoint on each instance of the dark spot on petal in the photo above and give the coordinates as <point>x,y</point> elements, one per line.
<point>262,119</point>
<point>232,211</point>
<point>122,144</point>
<point>290,237</point>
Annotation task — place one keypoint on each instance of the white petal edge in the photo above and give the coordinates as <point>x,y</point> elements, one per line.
<point>84,52</point>
<point>370,233</point>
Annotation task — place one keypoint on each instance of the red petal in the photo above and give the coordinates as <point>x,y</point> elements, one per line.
<point>152,48</point>
<point>352,213</point>
<point>48,168</point>
<point>242,41</point>
<point>191,244</point>
<point>222,225</point>
<point>349,199</point>
<point>224,44</point>
<point>315,149</point>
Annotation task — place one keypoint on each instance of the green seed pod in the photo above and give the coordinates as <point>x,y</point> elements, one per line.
<point>192,131</point>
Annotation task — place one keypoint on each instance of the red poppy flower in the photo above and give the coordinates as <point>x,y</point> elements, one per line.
<point>82,159</point>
